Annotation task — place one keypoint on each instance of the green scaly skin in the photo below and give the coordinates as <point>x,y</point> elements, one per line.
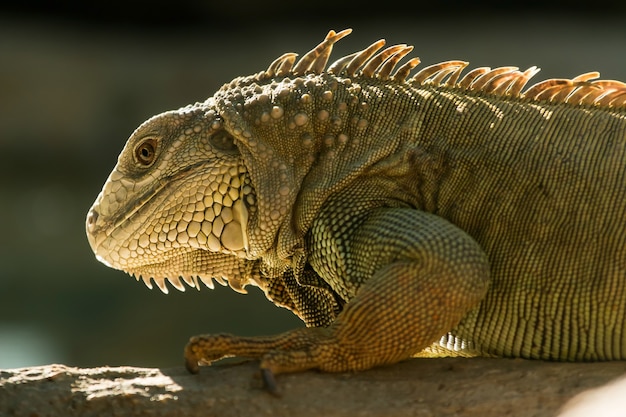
<point>396,216</point>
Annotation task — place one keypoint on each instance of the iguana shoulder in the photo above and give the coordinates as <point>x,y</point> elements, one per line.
<point>388,210</point>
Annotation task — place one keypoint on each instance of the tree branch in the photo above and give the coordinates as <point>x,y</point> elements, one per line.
<point>418,387</point>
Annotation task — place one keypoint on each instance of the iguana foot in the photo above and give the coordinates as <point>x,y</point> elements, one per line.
<point>288,352</point>
<point>274,352</point>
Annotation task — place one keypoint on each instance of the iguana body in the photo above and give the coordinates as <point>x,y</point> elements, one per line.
<point>438,214</point>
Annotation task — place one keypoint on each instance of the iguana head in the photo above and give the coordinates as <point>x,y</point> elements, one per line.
<point>178,202</point>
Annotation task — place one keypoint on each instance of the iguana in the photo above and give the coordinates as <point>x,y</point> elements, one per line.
<point>444,213</point>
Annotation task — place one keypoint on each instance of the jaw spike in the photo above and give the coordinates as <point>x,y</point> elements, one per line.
<point>189,280</point>
<point>208,282</point>
<point>160,282</point>
<point>146,281</point>
<point>175,281</point>
<point>237,286</point>
<point>196,283</point>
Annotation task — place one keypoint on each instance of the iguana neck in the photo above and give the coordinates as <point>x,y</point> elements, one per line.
<point>319,132</point>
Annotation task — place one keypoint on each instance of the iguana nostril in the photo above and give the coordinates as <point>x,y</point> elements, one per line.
<point>92,218</point>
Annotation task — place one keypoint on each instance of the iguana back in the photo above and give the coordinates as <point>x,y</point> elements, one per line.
<point>388,212</point>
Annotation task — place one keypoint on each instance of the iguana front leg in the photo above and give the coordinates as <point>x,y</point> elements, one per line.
<point>413,275</point>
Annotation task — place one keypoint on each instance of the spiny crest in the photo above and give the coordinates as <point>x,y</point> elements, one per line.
<point>584,89</point>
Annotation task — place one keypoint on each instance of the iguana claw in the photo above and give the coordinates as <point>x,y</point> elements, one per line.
<point>191,359</point>
<point>269,382</point>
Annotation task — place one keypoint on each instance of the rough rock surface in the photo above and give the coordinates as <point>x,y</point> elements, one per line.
<point>419,387</point>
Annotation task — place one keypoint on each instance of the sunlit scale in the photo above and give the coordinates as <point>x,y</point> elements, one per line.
<point>208,227</point>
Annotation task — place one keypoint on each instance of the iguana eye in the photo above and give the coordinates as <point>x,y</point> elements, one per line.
<point>223,141</point>
<point>145,152</point>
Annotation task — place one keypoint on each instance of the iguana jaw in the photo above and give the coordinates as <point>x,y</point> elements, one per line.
<point>224,269</point>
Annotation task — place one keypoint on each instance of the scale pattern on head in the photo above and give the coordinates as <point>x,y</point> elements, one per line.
<point>178,196</point>
<point>209,189</point>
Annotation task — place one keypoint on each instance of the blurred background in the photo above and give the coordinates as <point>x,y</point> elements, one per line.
<point>76,80</point>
